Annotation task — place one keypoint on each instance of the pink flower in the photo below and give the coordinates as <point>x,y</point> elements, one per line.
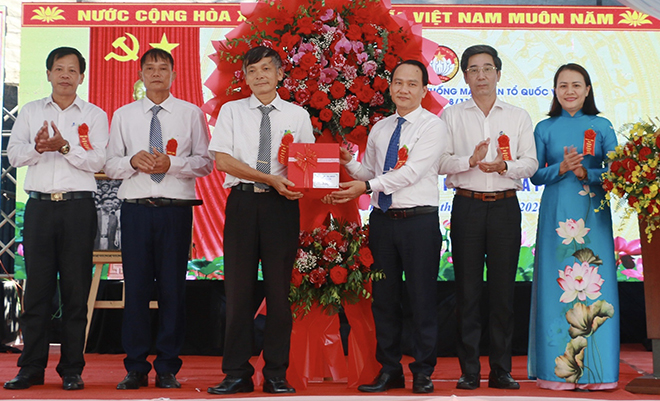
<point>637,272</point>
<point>572,230</point>
<point>343,46</point>
<point>377,100</point>
<point>369,68</point>
<point>327,16</point>
<point>362,57</point>
<point>587,191</point>
<point>352,102</point>
<point>358,47</point>
<point>581,281</point>
<point>328,75</point>
<point>350,72</point>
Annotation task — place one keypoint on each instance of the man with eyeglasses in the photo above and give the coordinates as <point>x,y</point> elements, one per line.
<point>490,149</point>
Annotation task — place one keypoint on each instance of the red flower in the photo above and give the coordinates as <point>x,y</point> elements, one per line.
<point>317,124</point>
<point>370,32</point>
<point>358,135</point>
<point>352,102</point>
<point>339,275</point>
<point>650,175</point>
<point>325,115</point>
<point>629,164</point>
<point>366,258</point>
<point>354,32</point>
<point>284,93</point>
<point>366,94</point>
<point>390,61</point>
<point>306,239</point>
<point>298,74</point>
<point>288,41</point>
<point>338,61</point>
<point>607,185</point>
<point>616,167</point>
<point>632,200</point>
<point>305,25</point>
<point>330,254</point>
<point>380,84</point>
<point>314,71</point>
<point>319,100</point>
<point>302,96</point>
<point>644,152</point>
<point>337,90</point>
<point>347,119</point>
<point>657,140</point>
<point>297,277</point>
<point>317,277</point>
<point>307,61</point>
<point>333,236</point>
<point>646,190</point>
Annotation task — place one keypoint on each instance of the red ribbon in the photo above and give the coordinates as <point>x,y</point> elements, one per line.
<point>304,160</point>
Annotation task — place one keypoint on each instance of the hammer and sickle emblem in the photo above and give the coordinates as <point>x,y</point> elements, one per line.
<point>129,54</point>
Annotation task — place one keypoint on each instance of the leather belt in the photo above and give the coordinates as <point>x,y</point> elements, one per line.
<point>61,196</point>
<point>160,202</point>
<point>245,187</point>
<point>405,213</point>
<point>486,196</point>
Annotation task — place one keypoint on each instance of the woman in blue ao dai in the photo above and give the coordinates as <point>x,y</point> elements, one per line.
<point>574,325</point>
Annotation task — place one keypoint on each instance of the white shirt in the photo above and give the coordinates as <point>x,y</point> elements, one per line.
<point>129,134</point>
<point>236,132</point>
<point>51,172</point>
<point>416,182</point>
<point>467,126</point>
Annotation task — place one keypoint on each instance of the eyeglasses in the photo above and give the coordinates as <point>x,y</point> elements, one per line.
<point>486,70</point>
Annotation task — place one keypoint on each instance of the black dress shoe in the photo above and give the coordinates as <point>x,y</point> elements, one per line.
<point>233,385</point>
<point>133,381</point>
<point>468,381</point>
<point>278,385</point>
<point>72,382</point>
<point>384,382</point>
<point>422,384</point>
<point>503,380</point>
<point>167,380</point>
<point>23,381</point>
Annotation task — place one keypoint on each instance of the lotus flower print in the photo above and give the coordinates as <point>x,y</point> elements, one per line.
<point>572,230</point>
<point>581,281</point>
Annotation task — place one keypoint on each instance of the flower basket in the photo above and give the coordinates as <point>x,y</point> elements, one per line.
<point>632,177</point>
<point>333,266</point>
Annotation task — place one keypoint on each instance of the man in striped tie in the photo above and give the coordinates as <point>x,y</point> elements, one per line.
<point>400,168</point>
<point>262,222</point>
<point>158,147</point>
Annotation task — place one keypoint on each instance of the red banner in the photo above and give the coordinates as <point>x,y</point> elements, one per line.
<point>430,16</point>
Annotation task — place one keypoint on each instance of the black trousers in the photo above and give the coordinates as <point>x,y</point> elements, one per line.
<point>411,246</point>
<point>155,245</point>
<point>485,232</point>
<point>58,239</point>
<point>258,227</point>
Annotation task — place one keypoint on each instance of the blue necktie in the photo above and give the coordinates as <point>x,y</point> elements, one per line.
<point>263,156</point>
<point>385,201</point>
<point>156,139</point>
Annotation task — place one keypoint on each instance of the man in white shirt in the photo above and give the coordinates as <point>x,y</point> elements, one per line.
<point>490,148</point>
<point>404,233</point>
<point>62,140</point>
<point>262,223</point>
<point>158,147</point>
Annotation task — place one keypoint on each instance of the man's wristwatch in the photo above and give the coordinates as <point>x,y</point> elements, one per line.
<point>504,170</point>
<point>368,191</point>
<point>65,149</point>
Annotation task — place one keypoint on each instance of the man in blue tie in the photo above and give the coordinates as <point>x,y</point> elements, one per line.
<point>400,168</point>
<point>158,147</point>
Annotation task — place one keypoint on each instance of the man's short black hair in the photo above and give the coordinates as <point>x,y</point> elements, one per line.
<point>155,55</point>
<point>60,52</point>
<point>418,64</point>
<point>480,49</point>
<point>256,54</point>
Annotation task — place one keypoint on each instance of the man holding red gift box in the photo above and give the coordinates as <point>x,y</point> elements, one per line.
<point>400,167</point>
<point>263,220</point>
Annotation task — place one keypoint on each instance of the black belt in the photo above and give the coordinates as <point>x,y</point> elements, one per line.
<point>486,196</point>
<point>252,188</point>
<point>61,196</point>
<point>404,213</point>
<point>160,202</point>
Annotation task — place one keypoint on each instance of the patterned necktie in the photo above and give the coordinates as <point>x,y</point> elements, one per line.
<point>385,201</point>
<point>156,139</point>
<point>263,158</point>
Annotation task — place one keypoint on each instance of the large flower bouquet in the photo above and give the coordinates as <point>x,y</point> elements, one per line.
<point>633,173</point>
<point>333,265</point>
<point>338,56</point>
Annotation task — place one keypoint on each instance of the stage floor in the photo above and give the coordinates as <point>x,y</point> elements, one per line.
<point>104,371</point>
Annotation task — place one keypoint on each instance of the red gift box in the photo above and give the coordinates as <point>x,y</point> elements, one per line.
<point>314,168</point>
